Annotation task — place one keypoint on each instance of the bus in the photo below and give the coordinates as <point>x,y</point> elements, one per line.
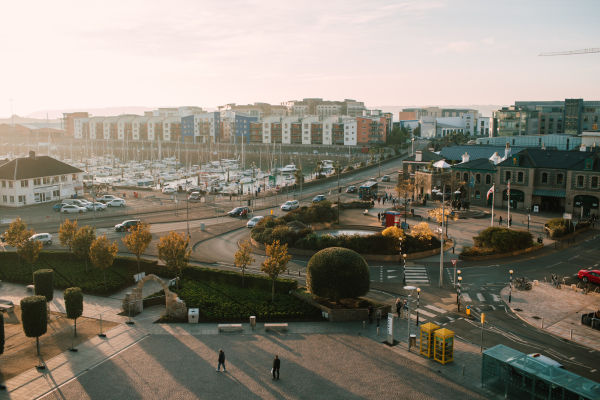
<point>367,190</point>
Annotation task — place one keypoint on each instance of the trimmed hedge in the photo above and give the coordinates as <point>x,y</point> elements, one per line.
<point>337,273</point>
<point>73,302</point>
<point>557,227</point>
<point>34,316</point>
<point>496,240</point>
<point>43,282</point>
<point>218,301</point>
<point>234,279</point>
<point>371,244</point>
<point>317,212</point>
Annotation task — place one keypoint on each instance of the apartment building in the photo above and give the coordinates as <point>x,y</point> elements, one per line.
<point>69,122</point>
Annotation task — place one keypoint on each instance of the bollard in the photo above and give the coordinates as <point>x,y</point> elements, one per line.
<point>102,335</point>
<point>542,323</point>
<point>377,331</point>
<point>571,333</point>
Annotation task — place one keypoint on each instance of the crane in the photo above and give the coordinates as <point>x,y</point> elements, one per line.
<point>571,52</point>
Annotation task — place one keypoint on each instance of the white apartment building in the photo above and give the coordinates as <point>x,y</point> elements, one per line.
<point>350,131</point>
<point>307,130</point>
<point>328,110</point>
<point>266,127</point>
<point>286,129</point>
<point>37,179</point>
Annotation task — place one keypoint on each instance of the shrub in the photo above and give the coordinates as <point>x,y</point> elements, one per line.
<point>43,281</point>
<point>337,273</point>
<point>557,227</point>
<point>34,317</point>
<point>231,278</point>
<point>503,239</point>
<point>421,231</point>
<point>74,305</point>
<point>356,204</point>
<point>395,232</point>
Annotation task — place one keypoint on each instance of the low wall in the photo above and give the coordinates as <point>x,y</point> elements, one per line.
<point>345,314</point>
<point>502,255</point>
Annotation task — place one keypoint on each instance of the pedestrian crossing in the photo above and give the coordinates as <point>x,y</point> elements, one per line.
<point>430,313</point>
<point>417,274</point>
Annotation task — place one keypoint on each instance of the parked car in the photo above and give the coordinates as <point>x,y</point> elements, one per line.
<point>58,206</point>
<point>168,190</point>
<point>194,196</point>
<point>44,238</point>
<point>72,209</point>
<point>589,275</point>
<point>385,178</point>
<point>290,205</point>
<point>127,225</point>
<point>96,206</point>
<point>254,220</point>
<point>239,212</point>
<point>116,203</point>
<point>318,198</point>
<point>106,198</point>
<point>351,189</point>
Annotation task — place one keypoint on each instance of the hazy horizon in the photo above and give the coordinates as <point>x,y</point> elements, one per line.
<point>70,55</point>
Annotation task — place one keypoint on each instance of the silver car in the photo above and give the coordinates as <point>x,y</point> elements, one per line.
<point>72,209</point>
<point>44,238</point>
<point>290,205</point>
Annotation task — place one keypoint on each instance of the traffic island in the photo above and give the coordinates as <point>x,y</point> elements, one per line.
<point>557,311</point>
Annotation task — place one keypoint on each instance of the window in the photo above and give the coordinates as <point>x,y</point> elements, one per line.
<point>520,177</point>
<point>594,183</point>
<point>544,177</point>
<point>37,181</point>
<point>3,184</point>
<point>46,180</point>
<point>559,179</point>
<point>74,177</point>
<point>466,177</point>
<point>22,199</point>
<point>579,181</point>
<point>12,199</point>
<point>488,179</point>
<point>507,176</point>
<point>4,199</point>
<point>10,184</point>
<point>477,194</point>
<point>24,183</point>
<point>56,193</point>
<point>478,178</point>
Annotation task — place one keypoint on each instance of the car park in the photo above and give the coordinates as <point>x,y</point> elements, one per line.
<point>351,189</point>
<point>239,212</point>
<point>97,206</point>
<point>127,225</point>
<point>290,205</point>
<point>254,220</point>
<point>116,203</point>
<point>318,198</point>
<point>44,238</point>
<point>589,275</point>
<point>72,209</point>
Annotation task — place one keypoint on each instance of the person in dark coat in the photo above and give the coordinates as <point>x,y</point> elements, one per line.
<point>276,365</point>
<point>221,361</point>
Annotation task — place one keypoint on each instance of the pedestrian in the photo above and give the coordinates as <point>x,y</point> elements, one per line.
<point>378,216</point>
<point>405,307</point>
<point>221,361</point>
<point>398,306</point>
<point>370,312</point>
<point>276,365</point>
<point>510,221</point>
<point>500,220</point>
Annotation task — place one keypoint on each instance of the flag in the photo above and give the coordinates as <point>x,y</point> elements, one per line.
<point>491,191</point>
<point>508,188</point>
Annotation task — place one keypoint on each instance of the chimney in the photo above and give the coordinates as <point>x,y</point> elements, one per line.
<point>465,157</point>
<point>418,155</point>
<point>32,154</point>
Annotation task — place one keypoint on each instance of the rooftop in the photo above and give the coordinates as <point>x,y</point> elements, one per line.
<point>35,167</point>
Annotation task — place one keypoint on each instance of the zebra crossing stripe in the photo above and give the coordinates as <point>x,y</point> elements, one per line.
<point>466,297</point>
<point>496,297</point>
<point>480,297</point>
<point>434,308</point>
<point>426,313</point>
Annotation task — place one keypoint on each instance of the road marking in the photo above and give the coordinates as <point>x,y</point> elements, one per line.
<point>391,277</point>
<point>426,313</point>
<point>434,308</point>
<point>478,309</point>
<point>466,297</point>
<point>480,297</point>
<point>593,370</point>
<point>391,270</point>
<point>496,297</point>
<point>574,257</point>
<point>450,318</point>
<point>493,307</point>
<point>571,358</point>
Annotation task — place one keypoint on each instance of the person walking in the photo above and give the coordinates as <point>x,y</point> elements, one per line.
<point>500,220</point>
<point>378,216</point>
<point>398,307</point>
<point>276,365</point>
<point>510,222</point>
<point>221,361</point>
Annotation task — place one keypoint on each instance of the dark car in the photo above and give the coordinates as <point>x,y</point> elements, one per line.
<point>589,275</point>
<point>351,189</point>
<point>127,225</point>
<point>239,212</point>
<point>318,198</point>
<point>385,178</point>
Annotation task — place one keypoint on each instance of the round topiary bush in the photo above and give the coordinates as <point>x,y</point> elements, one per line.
<point>337,273</point>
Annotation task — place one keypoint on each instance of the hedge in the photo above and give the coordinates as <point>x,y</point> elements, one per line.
<point>34,316</point>
<point>43,282</point>
<point>371,244</point>
<point>495,240</point>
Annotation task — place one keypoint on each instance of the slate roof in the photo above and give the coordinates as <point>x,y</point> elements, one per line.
<point>554,159</point>
<point>35,167</point>
<point>454,153</point>
<point>426,156</point>
<point>480,164</point>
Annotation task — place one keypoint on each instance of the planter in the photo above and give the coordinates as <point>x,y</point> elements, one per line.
<point>345,314</point>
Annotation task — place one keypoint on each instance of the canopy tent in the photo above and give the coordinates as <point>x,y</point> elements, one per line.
<point>441,164</point>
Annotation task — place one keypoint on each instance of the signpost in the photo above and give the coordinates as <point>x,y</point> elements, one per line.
<point>454,265</point>
<point>390,330</point>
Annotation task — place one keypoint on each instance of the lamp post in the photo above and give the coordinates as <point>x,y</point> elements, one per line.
<point>510,286</point>
<point>403,268</point>
<point>418,301</point>
<point>410,289</point>
<point>458,293</point>
<point>442,238</point>
<point>412,152</point>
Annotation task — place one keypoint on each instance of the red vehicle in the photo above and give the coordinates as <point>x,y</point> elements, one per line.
<point>589,275</point>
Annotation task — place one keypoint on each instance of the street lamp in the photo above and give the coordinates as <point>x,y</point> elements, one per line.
<point>510,286</point>
<point>412,153</point>
<point>458,293</point>
<point>418,301</point>
<point>404,269</point>
<point>410,289</point>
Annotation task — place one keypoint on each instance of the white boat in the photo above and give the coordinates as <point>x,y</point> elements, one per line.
<point>288,169</point>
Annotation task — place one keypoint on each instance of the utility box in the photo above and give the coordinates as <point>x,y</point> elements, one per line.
<point>193,315</point>
<point>202,227</point>
<point>253,321</point>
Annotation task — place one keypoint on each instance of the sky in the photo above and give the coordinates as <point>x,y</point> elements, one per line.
<point>80,54</point>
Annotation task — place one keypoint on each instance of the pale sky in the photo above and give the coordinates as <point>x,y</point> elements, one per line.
<point>84,54</point>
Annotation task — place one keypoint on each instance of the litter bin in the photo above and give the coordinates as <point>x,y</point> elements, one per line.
<point>413,340</point>
<point>202,227</point>
<point>193,315</point>
<point>253,321</point>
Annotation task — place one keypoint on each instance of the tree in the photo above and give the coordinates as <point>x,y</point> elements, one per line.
<point>275,263</point>
<point>74,305</point>
<point>43,282</point>
<point>34,317</point>
<point>298,176</point>
<point>337,273</point>
<point>82,241</point>
<point>421,231</point>
<point>138,240</point>
<point>102,254</point>
<point>17,233</point>
<point>66,233</point>
<point>436,213</point>
<point>174,250</point>
<point>29,250</point>
<point>395,232</point>
<point>243,257</point>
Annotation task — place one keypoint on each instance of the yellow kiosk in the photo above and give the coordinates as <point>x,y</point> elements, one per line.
<point>443,345</point>
<point>426,339</point>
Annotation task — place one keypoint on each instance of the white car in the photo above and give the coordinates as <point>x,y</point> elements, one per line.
<point>254,220</point>
<point>95,206</point>
<point>72,209</point>
<point>168,190</point>
<point>44,238</point>
<point>106,198</point>
<point>290,205</point>
<point>116,203</point>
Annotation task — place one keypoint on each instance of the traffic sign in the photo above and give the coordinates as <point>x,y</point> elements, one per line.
<point>454,262</point>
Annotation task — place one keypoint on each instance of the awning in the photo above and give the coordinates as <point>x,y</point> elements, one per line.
<point>550,193</point>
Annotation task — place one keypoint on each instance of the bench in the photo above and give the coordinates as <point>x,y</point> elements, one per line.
<point>230,327</point>
<point>276,326</point>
